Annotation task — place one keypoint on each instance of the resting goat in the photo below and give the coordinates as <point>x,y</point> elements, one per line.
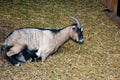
<point>45,41</point>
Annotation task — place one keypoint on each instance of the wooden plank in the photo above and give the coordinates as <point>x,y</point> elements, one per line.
<point>111,5</point>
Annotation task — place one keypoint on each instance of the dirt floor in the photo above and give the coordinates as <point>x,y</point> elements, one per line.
<point>97,59</point>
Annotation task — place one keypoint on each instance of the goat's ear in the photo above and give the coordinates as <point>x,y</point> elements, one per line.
<point>82,25</point>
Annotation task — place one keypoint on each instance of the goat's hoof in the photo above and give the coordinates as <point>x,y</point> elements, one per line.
<point>18,64</point>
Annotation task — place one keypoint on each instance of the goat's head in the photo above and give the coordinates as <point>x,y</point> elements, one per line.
<point>76,30</point>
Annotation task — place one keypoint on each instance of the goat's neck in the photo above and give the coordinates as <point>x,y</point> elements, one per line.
<point>62,36</point>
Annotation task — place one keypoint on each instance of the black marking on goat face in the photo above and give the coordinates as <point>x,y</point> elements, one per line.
<point>80,37</point>
<point>79,32</point>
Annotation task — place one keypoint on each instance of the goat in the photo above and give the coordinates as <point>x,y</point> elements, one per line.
<point>43,42</point>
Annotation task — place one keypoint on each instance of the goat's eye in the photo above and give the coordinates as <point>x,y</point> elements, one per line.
<point>74,28</point>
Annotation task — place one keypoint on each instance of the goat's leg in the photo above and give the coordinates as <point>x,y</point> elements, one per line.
<point>44,56</point>
<point>13,51</point>
<point>12,59</point>
<point>40,55</point>
<point>20,57</point>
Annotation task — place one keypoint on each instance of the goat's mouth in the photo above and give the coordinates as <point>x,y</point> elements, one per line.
<point>81,41</point>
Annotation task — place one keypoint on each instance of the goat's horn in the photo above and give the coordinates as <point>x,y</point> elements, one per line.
<point>77,20</point>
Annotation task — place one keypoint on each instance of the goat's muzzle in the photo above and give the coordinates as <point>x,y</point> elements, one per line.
<point>81,41</point>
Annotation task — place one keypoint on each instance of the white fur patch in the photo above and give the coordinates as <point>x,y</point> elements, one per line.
<point>81,29</point>
<point>38,53</point>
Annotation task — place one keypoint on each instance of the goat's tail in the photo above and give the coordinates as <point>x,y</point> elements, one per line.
<point>4,50</point>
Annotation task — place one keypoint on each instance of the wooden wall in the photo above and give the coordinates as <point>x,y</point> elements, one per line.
<point>111,5</point>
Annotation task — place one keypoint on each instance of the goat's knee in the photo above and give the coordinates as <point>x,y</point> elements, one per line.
<point>43,57</point>
<point>10,53</point>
